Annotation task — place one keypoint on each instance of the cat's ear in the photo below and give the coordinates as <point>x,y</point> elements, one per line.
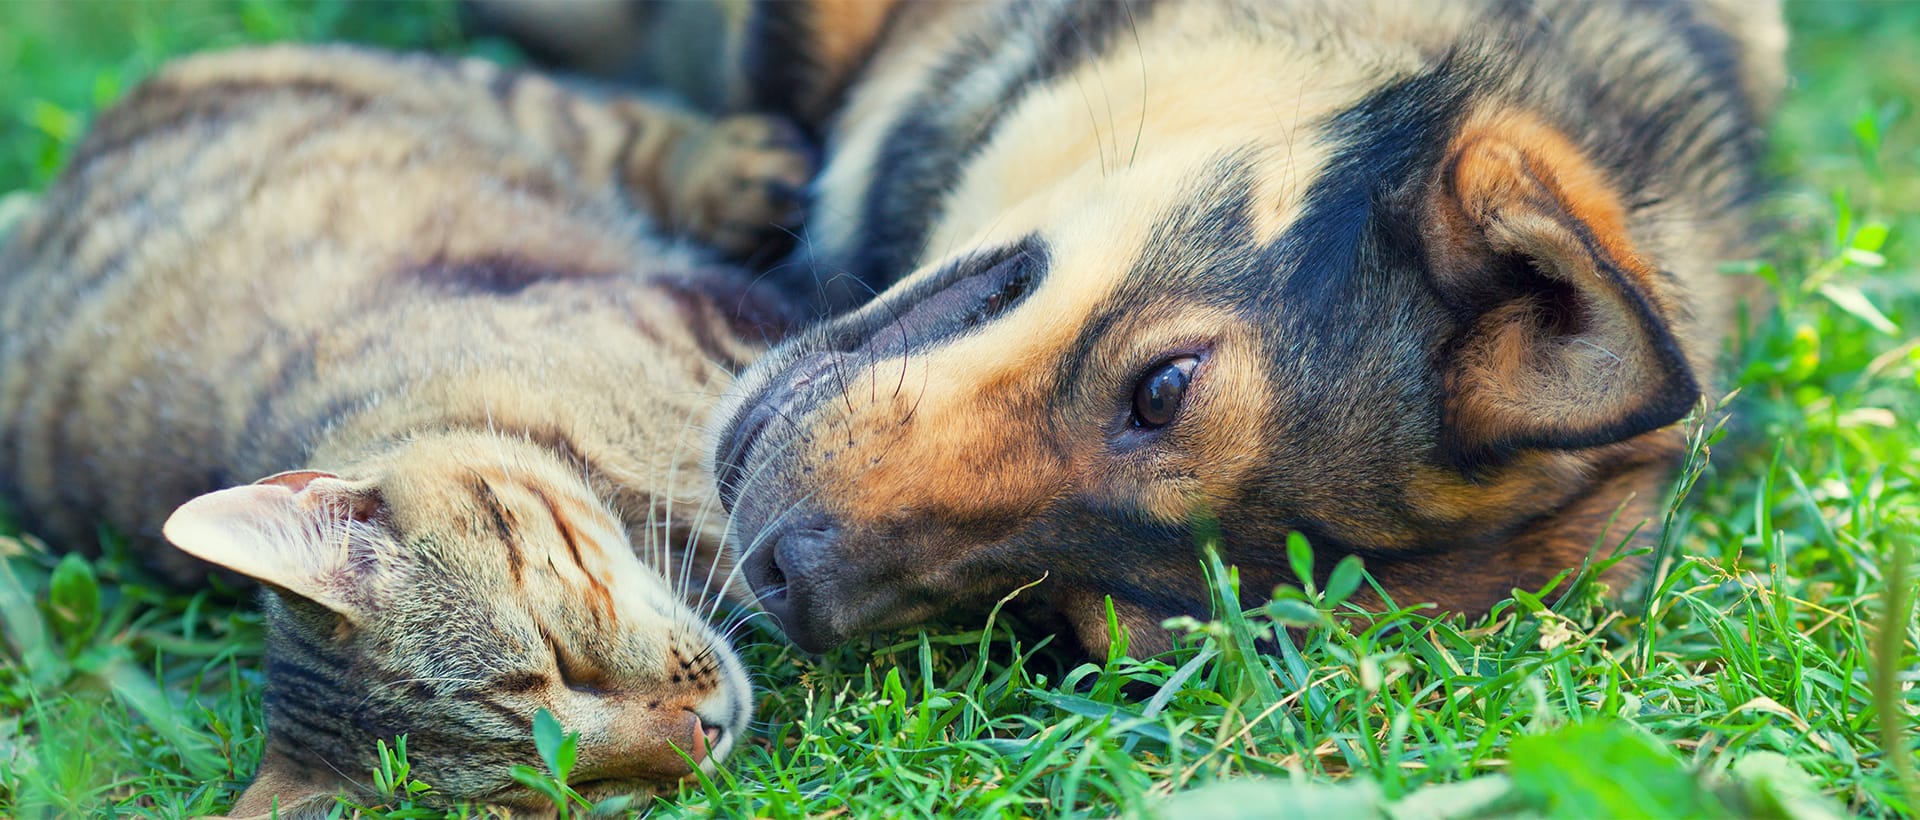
<point>283,788</point>
<point>292,530</point>
<point>1569,338</point>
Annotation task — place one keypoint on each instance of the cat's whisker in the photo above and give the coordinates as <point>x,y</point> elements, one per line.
<point>745,615</point>
<point>734,630</point>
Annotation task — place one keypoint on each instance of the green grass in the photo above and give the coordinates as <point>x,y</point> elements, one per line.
<point>1770,670</point>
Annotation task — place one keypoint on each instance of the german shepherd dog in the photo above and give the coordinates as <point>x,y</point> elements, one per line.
<point>1429,283</point>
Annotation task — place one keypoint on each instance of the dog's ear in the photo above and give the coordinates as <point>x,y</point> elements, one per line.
<point>1568,338</point>
<point>796,57</point>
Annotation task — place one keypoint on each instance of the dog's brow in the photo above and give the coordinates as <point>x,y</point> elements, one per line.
<point>1188,250</point>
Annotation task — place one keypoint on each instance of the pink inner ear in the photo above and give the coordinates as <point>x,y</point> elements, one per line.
<point>313,489</point>
<point>295,480</point>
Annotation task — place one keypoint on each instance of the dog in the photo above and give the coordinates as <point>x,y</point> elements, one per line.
<point>1432,284</point>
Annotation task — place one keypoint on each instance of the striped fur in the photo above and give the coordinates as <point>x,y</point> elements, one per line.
<point>438,288</point>
<point>1442,275</point>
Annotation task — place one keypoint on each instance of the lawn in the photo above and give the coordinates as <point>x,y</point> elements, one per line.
<point>1769,670</point>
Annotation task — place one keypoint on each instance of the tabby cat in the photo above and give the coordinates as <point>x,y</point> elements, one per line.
<point>433,288</point>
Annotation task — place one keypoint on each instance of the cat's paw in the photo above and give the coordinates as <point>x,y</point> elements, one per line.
<point>744,187</point>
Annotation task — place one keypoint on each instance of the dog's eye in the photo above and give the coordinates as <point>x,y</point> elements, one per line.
<point>1156,399</point>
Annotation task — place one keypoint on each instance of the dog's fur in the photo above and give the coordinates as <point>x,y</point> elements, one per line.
<point>1444,273</point>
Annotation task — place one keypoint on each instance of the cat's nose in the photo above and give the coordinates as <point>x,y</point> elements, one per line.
<point>658,745</point>
<point>705,741</point>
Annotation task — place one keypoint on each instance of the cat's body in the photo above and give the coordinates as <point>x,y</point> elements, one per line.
<point>425,285</point>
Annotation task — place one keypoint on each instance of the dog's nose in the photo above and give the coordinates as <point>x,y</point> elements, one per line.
<point>791,570</point>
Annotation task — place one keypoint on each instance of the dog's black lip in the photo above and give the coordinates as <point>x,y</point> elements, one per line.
<point>818,643</point>
<point>733,462</point>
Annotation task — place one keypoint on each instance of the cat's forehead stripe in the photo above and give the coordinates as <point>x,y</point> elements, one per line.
<point>504,524</point>
<point>512,531</point>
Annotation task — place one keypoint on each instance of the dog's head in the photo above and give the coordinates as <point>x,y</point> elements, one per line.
<point>1385,308</point>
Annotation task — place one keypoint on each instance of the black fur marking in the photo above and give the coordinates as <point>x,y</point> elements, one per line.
<point>292,436</point>
<point>70,485</point>
<point>294,368</point>
<point>162,106</point>
<point>1389,140</point>
<point>565,529</point>
<point>631,129</point>
<point>518,683</point>
<point>572,674</point>
<point>512,717</point>
<point>552,439</point>
<point>304,698</point>
<point>930,145</point>
<point>575,142</point>
<point>780,72</point>
<point>312,722</point>
<point>301,682</point>
<point>744,311</point>
<point>752,310</point>
<point>501,87</point>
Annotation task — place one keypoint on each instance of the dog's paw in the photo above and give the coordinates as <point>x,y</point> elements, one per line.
<point>744,187</point>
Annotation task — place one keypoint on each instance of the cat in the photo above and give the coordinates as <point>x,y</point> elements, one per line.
<point>431,302</point>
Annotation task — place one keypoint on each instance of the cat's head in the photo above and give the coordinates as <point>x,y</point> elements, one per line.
<point>447,591</point>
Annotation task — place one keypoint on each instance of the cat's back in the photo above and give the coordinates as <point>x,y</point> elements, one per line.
<point>254,164</point>
<point>229,228</point>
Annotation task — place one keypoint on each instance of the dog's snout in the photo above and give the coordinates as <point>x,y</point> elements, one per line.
<point>790,570</point>
<point>764,571</point>
<point>778,403</point>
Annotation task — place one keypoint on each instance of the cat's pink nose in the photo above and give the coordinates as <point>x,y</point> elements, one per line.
<point>705,738</point>
<point>654,744</point>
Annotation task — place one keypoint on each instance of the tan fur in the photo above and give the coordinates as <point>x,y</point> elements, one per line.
<point>284,789</point>
<point>437,291</point>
